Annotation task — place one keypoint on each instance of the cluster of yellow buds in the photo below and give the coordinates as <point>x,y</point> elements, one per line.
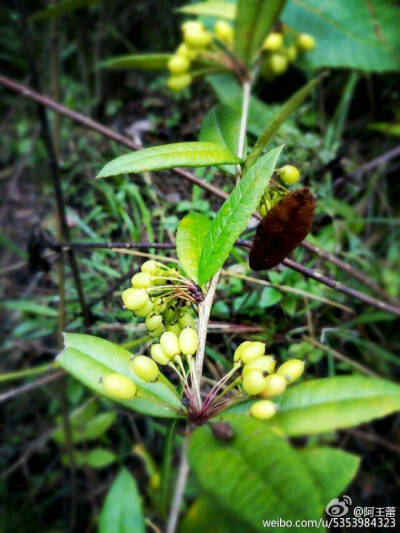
<point>160,295</point>
<point>261,379</point>
<point>289,175</point>
<point>278,55</point>
<point>196,41</point>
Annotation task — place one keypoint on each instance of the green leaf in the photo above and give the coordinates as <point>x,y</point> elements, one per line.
<point>100,458</point>
<point>91,430</point>
<point>90,358</point>
<point>257,476</point>
<point>270,297</point>
<point>122,511</point>
<point>138,61</point>
<point>286,110</point>
<point>28,306</point>
<point>234,214</point>
<point>60,8</point>
<point>190,236</point>
<point>356,34</point>
<point>190,154</point>
<point>221,125</point>
<point>229,92</point>
<point>224,10</point>
<point>167,467</point>
<point>327,404</point>
<point>205,515</point>
<point>331,469</point>
<point>254,19</point>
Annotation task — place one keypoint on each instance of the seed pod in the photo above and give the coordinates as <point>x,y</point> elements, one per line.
<point>274,384</point>
<point>291,52</point>
<point>134,298</point>
<point>154,322</point>
<point>119,387</point>
<point>145,310</point>
<point>254,382</point>
<point>283,229</point>
<point>157,353</point>
<point>188,341</point>
<point>223,431</point>
<point>291,370</point>
<point>141,280</point>
<point>263,409</point>
<point>273,42</point>
<point>170,344</point>
<point>266,363</point>
<point>145,368</point>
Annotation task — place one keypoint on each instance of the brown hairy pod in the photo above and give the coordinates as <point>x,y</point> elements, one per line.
<point>283,228</point>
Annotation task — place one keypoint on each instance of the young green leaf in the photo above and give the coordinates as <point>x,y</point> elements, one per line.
<point>234,214</point>
<point>332,470</point>
<point>190,236</point>
<point>122,511</point>
<point>221,125</point>
<point>254,477</point>
<point>333,403</point>
<point>223,10</point>
<point>100,458</point>
<point>372,44</point>
<point>89,359</point>
<point>286,110</point>
<point>190,154</point>
<point>29,306</point>
<point>254,19</point>
<point>138,61</point>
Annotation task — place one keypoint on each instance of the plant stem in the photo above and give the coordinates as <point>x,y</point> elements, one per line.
<point>179,488</point>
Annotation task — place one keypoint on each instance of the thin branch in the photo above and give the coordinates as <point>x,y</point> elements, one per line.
<point>308,272</point>
<point>340,357</point>
<point>216,191</point>
<point>12,393</point>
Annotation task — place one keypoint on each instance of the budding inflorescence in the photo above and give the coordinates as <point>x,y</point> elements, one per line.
<point>198,43</point>
<point>162,296</point>
<point>282,48</point>
<point>275,191</point>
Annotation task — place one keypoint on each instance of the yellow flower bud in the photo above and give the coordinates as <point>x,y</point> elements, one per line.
<point>291,370</point>
<point>145,309</point>
<point>248,351</point>
<point>141,280</point>
<point>178,64</point>
<point>134,298</point>
<point>224,32</point>
<point>119,387</point>
<point>305,42</point>
<point>289,174</point>
<point>178,83</point>
<point>188,341</point>
<point>274,384</point>
<point>157,353</point>
<point>273,42</point>
<point>170,344</point>
<point>266,363</point>
<point>254,382</point>
<point>263,409</point>
<point>145,368</point>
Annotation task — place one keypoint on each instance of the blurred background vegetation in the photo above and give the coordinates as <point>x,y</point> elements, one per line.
<point>345,140</point>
